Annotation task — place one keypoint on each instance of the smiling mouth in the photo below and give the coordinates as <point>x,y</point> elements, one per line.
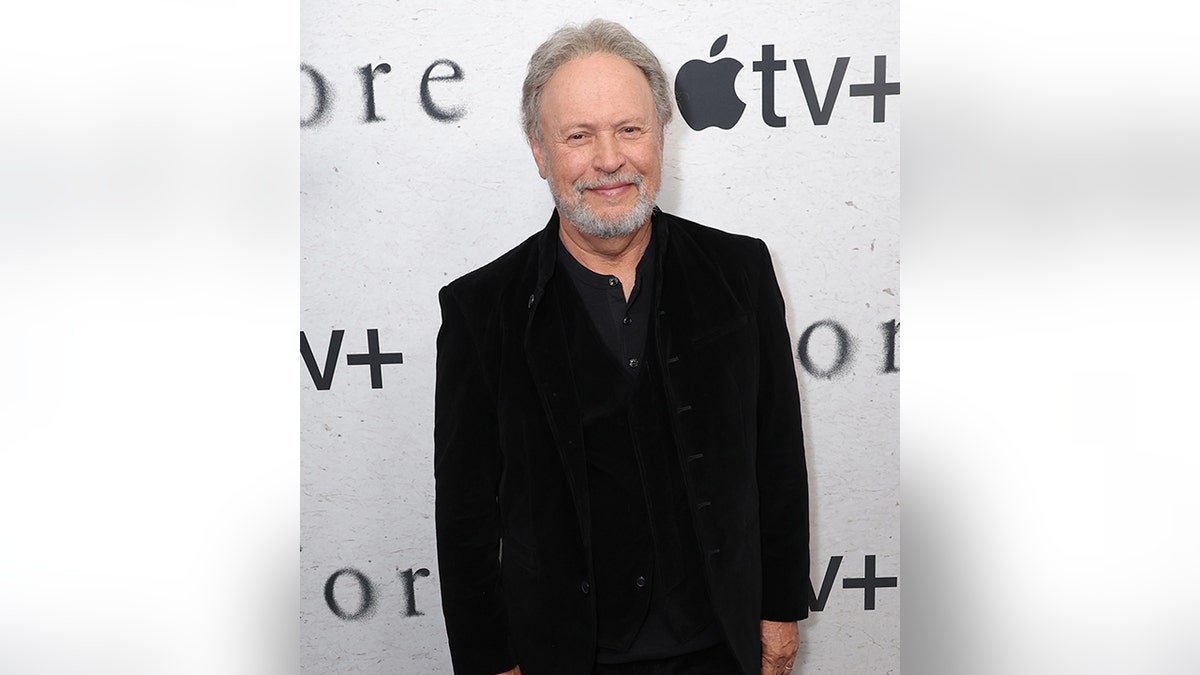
<point>612,190</point>
<point>610,187</point>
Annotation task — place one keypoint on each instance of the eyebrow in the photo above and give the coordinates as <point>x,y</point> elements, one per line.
<point>591,126</point>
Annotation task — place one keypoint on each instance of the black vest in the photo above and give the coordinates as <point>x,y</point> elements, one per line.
<point>651,597</point>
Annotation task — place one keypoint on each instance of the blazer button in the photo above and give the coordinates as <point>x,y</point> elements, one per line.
<point>585,587</point>
<point>641,582</point>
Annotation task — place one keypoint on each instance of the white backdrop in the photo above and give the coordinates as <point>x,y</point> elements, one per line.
<point>395,203</point>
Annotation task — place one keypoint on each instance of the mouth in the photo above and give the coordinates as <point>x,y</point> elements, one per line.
<point>612,190</point>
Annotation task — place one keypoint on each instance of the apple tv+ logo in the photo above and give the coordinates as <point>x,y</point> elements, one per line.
<point>706,97</point>
<point>704,91</point>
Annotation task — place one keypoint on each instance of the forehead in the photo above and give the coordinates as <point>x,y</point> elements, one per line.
<point>597,88</point>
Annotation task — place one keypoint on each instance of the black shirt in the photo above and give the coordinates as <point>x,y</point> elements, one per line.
<point>622,325</point>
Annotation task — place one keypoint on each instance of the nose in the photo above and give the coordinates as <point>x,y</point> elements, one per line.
<point>608,158</point>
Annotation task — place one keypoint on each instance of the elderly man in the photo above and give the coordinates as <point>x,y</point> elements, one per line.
<point>621,485</point>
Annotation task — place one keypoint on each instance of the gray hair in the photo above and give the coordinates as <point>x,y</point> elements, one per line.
<point>595,37</point>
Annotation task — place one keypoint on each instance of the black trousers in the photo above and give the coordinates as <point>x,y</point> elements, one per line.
<point>715,660</point>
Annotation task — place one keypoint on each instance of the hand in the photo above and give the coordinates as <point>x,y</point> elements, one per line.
<point>516,670</point>
<point>780,642</point>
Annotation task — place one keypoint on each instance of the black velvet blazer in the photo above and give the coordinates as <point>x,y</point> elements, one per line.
<point>512,509</point>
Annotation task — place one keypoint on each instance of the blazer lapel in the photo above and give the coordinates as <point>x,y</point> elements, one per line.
<point>546,352</point>
<point>695,300</point>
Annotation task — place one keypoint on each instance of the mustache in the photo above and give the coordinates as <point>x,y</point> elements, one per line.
<point>608,179</point>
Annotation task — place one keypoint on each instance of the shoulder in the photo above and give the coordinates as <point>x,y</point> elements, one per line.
<point>487,283</point>
<point>691,239</point>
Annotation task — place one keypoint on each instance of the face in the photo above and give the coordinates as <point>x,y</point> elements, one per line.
<point>601,146</point>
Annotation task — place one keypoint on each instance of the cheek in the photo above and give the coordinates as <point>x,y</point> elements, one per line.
<point>564,167</point>
<point>651,169</point>
<point>649,160</point>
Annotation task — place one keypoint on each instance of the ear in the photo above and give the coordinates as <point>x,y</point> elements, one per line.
<point>538,156</point>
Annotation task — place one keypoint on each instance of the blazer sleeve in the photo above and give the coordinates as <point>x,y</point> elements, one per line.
<point>782,473</point>
<point>466,466</point>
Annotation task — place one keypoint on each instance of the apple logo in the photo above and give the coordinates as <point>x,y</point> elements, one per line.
<point>704,91</point>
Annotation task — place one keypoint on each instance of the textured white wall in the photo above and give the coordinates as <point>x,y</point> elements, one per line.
<point>393,209</point>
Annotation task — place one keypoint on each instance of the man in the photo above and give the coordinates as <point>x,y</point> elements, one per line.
<point>621,485</point>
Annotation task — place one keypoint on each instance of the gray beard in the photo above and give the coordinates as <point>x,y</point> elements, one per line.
<point>589,222</point>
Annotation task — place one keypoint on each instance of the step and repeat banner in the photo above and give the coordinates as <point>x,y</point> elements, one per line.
<point>414,171</point>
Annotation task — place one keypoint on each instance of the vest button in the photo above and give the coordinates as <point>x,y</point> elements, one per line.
<point>585,587</point>
<point>641,582</point>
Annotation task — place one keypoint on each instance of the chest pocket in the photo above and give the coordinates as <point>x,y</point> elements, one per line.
<point>720,330</point>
